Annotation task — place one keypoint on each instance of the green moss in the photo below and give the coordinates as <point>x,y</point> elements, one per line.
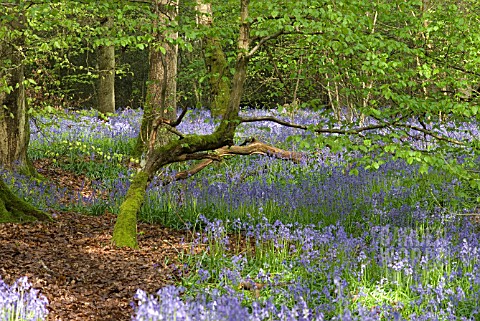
<point>219,77</point>
<point>14,216</point>
<point>145,127</point>
<point>125,230</point>
<point>15,210</point>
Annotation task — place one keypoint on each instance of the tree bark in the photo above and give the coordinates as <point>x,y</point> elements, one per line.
<point>106,77</point>
<point>14,126</point>
<point>161,98</point>
<point>215,62</point>
<point>125,230</point>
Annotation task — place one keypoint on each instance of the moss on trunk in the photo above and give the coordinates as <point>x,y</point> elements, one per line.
<point>219,77</point>
<point>125,230</point>
<point>15,210</point>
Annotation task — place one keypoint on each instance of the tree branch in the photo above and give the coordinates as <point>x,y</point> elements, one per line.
<point>271,119</point>
<point>250,147</point>
<point>166,122</point>
<point>432,134</point>
<point>354,130</point>
<point>263,40</point>
<point>255,146</point>
<point>187,173</point>
<point>316,130</point>
<point>180,118</point>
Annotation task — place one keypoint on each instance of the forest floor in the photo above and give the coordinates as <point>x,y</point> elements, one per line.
<point>73,263</point>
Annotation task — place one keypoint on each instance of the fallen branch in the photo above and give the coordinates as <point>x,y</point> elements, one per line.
<point>251,146</point>
<point>254,146</point>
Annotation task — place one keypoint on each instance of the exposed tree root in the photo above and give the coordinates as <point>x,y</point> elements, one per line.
<point>15,210</point>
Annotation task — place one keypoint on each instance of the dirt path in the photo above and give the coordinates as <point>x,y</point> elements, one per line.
<point>72,262</point>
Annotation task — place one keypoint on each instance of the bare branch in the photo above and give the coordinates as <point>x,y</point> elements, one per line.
<point>174,131</point>
<point>255,146</point>
<point>169,125</point>
<point>316,130</point>
<point>187,173</point>
<point>263,40</point>
<point>180,118</point>
<point>166,123</point>
<point>355,130</point>
<point>251,146</point>
<point>271,119</point>
<point>433,134</point>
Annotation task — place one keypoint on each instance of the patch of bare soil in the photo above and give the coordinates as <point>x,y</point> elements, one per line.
<point>72,262</point>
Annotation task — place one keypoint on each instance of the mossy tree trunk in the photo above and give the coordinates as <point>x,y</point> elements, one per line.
<point>106,76</point>
<point>14,125</point>
<point>160,103</point>
<point>216,63</point>
<point>161,98</point>
<point>126,224</point>
<point>190,147</point>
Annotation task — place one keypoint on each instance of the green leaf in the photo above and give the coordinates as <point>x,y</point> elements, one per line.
<point>474,109</point>
<point>423,168</point>
<point>353,172</point>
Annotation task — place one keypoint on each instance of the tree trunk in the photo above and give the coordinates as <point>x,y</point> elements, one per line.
<point>161,102</point>
<point>14,127</point>
<point>125,234</point>
<point>106,76</point>
<point>216,63</point>
<point>161,98</point>
<point>125,230</point>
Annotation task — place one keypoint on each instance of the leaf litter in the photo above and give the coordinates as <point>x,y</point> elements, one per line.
<point>73,263</point>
